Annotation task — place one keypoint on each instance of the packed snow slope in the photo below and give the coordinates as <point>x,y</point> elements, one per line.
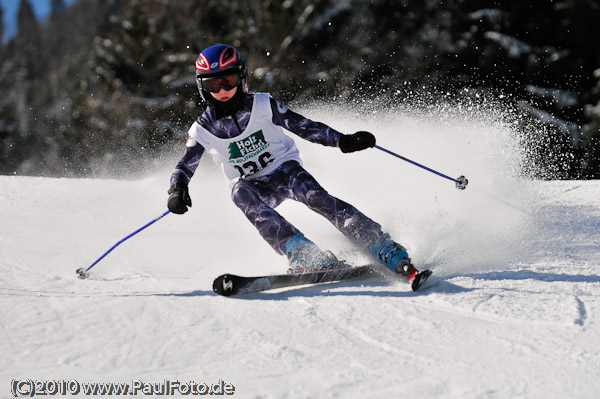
<point>513,311</point>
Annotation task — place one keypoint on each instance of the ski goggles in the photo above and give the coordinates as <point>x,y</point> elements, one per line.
<point>215,84</point>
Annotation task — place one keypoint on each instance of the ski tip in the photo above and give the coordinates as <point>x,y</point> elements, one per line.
<point>420,279</point>
<point>224,285</point>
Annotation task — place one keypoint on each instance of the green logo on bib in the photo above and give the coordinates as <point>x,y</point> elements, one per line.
<point>240,151</point>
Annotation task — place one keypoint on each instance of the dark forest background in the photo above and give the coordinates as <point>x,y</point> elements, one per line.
<point>110,82</point>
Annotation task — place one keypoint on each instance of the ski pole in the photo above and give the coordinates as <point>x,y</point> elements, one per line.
<point>83,273</point>
<point>460,182</point>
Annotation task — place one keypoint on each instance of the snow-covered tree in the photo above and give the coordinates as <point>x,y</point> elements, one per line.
<point>592,157</point>
<point>118,76</point>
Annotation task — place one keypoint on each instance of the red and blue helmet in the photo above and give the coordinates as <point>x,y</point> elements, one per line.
<point>220,60</point>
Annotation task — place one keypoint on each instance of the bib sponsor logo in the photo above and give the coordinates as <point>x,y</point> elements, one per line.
<point>242,150</point>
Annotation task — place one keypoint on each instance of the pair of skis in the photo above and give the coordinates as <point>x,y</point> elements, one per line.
<point>230,284</point>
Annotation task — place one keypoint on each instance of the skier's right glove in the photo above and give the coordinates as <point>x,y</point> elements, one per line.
<point>179,198</point>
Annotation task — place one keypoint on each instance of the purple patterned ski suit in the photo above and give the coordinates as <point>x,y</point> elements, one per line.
<point>258,196</point>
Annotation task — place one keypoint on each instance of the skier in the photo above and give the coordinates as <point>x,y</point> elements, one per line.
<point>243,133</point>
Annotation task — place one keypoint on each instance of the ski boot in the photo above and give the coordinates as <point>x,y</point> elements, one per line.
<point>304,256</point>
<point>393,256</point>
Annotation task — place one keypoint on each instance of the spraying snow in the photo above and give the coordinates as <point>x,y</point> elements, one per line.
<point>513,312</point>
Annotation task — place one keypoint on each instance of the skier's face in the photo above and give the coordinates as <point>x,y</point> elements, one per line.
<point>224,95</point>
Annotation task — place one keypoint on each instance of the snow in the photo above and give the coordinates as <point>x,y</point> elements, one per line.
<point>512,311</point>
<point>567,128</point>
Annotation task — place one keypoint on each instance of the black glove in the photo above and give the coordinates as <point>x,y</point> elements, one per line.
<point>179,198</point>
<point>356,142</point>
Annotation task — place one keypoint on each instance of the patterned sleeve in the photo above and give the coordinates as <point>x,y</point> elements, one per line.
<point>310,130</point>
<point>185,168</point>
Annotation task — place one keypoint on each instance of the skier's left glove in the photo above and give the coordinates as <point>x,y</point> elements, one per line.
<point>179,198</point>
<point>356,142</point>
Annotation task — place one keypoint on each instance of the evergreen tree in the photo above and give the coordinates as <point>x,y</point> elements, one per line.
<point>108,78</point>
<point>592,156</point>
<point>1,27</point>
<point>57,6</point>
<point>28,40</point>
<point>25,17</point>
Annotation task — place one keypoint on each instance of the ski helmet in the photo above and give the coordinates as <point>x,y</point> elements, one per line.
<point>220,60</point>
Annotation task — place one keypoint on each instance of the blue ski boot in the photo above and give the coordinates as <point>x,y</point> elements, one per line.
<point>393,256</point>
<point>304,256</point>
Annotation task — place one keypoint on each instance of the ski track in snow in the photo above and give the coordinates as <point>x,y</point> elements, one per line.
<point>511,310</point>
